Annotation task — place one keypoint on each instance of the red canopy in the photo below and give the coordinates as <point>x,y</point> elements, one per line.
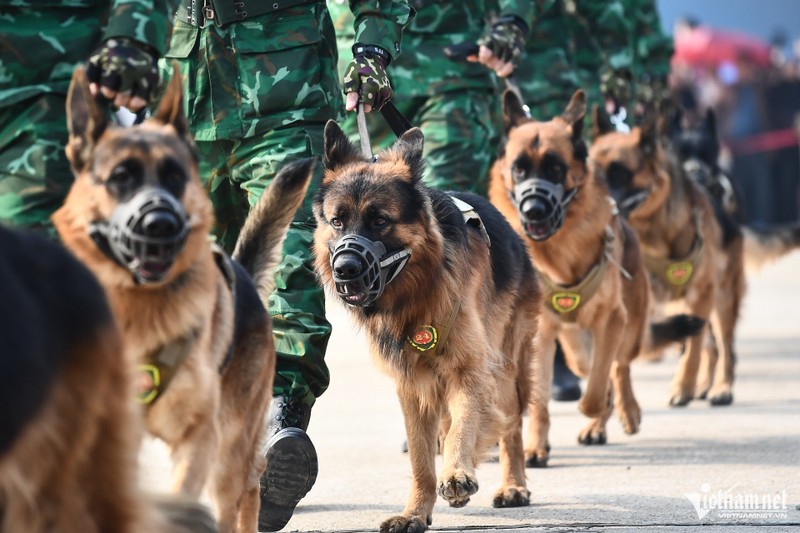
<point>704,46</point>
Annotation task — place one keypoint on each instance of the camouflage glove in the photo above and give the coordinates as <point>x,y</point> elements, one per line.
<point>505,38</point>
<point>615,84</point>
<point>366,75</point>
<point>123,65</point>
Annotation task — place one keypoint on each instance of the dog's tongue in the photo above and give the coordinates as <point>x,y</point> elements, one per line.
<point>153,271</point>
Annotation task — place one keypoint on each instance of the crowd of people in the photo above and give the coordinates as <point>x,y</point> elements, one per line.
<point>754,89</point>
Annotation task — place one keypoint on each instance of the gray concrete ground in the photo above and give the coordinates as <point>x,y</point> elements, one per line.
<point>712,456</point>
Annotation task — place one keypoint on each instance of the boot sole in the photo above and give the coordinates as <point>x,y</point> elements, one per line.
<point>292,469</point>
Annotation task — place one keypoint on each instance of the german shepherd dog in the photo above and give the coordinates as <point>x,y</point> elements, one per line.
<point>191,319</point>
<point>698,148</point>
<point>450,303</point>
<point>69,427</point>
<point>590,267</point>
<point>682,242</point>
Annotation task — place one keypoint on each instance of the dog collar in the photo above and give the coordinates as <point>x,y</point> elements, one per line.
<point>159,367</point>
<point>565,301</point>
<point>427,337</point>
<point>677,273</point>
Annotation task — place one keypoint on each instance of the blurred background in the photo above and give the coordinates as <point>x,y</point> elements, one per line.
<point>742,58</point>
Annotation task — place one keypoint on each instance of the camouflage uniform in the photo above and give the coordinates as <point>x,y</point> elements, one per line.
<point>258,94</point>
<point>42,42</point>
<point>454,103</point>
<point>606,47</point>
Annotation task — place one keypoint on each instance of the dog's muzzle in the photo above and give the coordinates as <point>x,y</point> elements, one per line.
<point>362,268</point>
<point>541,205</point>
<point>145,234</point>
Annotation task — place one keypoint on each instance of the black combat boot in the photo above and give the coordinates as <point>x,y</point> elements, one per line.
<point>291,463</point>
<point>566,385</point>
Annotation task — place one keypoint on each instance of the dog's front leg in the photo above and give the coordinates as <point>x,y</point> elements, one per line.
<point>596,402</point>
<point>422,427</point>
<point>537,447</point>
<point>685,381</point>
<point>193,456</point>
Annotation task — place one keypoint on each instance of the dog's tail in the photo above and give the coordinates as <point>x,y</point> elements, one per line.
<point>676,328</point>
<point>259,246</point>
<point>764,244</point>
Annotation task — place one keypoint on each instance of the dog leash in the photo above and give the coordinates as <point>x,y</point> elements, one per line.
<point>398,123</point>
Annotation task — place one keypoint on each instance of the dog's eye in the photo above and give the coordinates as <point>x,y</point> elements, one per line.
<point>124,179</point>
<point>618,176</point>
<point>172,177</point>
<point>553,169</point>
<point>380,222</point>
<point>336,222</point>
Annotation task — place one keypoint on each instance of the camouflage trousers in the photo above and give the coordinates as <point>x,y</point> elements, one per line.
<point>461,135</point>
<point>235,173</point>
<point>34,172</point>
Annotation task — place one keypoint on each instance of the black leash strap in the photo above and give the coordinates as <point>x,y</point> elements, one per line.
<point>395,119</point>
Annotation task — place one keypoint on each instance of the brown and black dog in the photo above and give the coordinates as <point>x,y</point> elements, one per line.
<point>69,427</point>
<point>682,243</point>
<point>590,268</point>
<point>449,301</point>
<point>192,320</point>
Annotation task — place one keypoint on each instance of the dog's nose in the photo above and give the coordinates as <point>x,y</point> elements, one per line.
<point>347,266</point>
<point>534,209</point>
<point>160,223</point>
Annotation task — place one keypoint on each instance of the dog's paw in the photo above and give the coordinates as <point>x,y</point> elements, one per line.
<point>594,433</point>
<point>457,488</point>
<point>722,395</point>
<point>630,416</point>
<point>405,524</point>
<point>680,398</point>
<point>511,497</point>
<point>537,458</point>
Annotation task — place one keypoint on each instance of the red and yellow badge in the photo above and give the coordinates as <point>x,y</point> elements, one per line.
<point>424,339</point>
<point>679,273</point>
<point>564,302</point>
<point>148,381</point>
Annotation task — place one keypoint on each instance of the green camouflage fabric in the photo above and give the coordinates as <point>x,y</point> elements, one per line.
<point>505,39</point>
<point>257,95</point>
<point>456,104</point>
<point>251,77</point>
<point>125,66</point>
<point>43,40</point>
<point>366,75</point>
<point>605,47</point>
<point>423,68</point>
<point>236,173</point>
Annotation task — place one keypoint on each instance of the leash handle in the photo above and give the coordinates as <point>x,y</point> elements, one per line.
<point>363,132</point>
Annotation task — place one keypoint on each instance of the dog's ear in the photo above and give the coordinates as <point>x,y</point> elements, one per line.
<point>170,109</point>
<point>648,135</point>
<point>409,147</point>
<point>513,110</point>
<point>86,120</point>
<point>601,122</point>
<point>574,115</point>
<point>338,148</point>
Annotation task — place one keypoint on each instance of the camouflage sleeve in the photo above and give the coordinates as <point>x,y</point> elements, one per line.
<point>146,21</point>
<point>525,10</point>
<point>381,22</point>
<point>653,46</point>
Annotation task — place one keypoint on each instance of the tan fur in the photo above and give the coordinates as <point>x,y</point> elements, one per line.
<point>478,388</point>
<point>667,223</point>
<point>615,316</point>
<point>212,420</point>
<point>73,468</point>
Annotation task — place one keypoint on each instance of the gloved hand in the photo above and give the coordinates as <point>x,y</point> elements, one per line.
<point>123,71</point>
<point>615,85</point>
<point>502,45</point>
<point>365,79</point>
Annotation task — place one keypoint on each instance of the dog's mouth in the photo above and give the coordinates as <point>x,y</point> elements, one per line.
<point>353,293</point>
<point>152,271</point>
<point>538,230</point>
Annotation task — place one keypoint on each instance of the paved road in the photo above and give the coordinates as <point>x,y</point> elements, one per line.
<point>634,483</point>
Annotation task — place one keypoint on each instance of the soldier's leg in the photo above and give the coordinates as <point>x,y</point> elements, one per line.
<point>459,130</point>
<point>300,328</point>
<point>34,172</point>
